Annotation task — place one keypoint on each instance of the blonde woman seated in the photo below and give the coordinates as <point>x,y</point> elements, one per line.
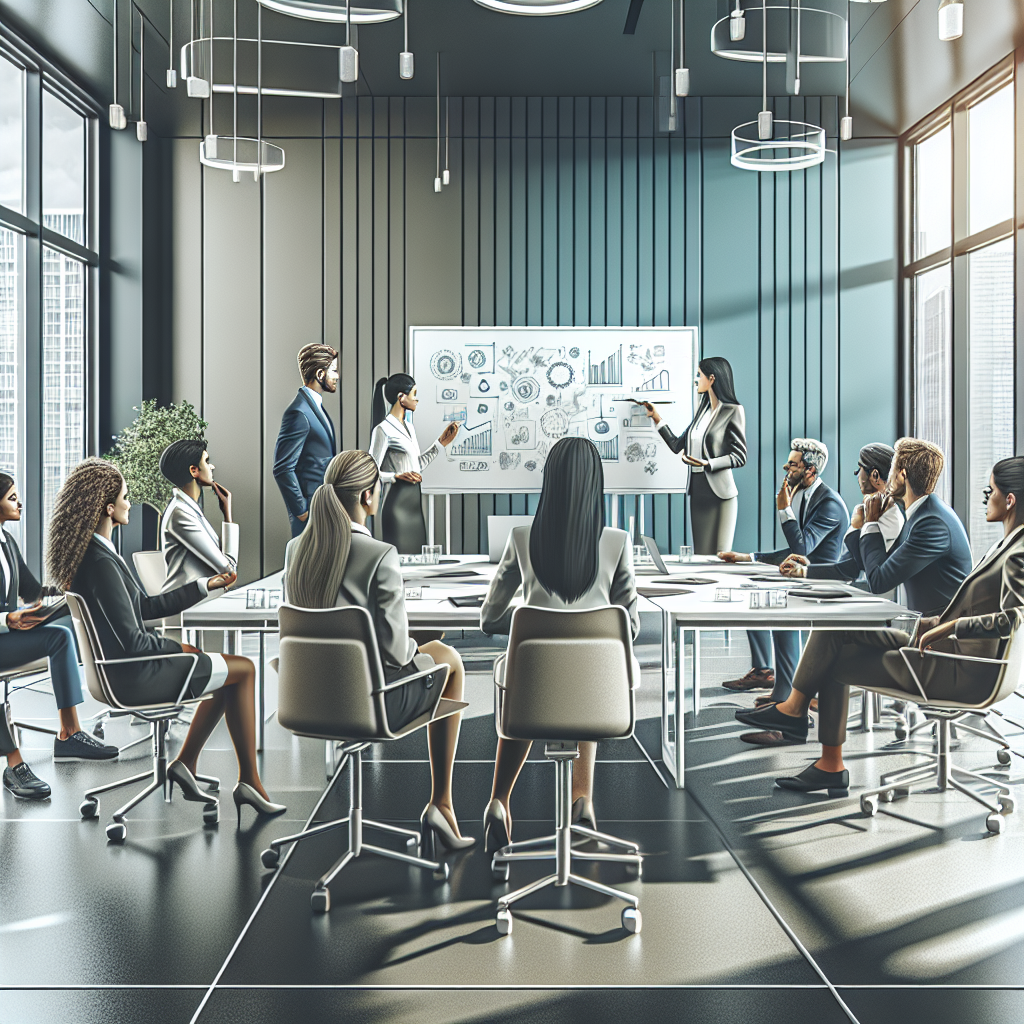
<point>336,562</point>
<point>81,557</point>
<point>567,558</point>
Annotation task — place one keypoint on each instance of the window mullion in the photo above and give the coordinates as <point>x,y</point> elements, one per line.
<point>960,380</point>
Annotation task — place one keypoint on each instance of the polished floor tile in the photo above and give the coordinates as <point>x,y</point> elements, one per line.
<point>92,1006</point>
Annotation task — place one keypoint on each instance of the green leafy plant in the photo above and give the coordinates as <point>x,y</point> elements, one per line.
<point>137,449</point>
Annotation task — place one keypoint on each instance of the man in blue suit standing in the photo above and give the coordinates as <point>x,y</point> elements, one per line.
<point>306,442</point>
<point>931,558</point>
<point>814,519</point>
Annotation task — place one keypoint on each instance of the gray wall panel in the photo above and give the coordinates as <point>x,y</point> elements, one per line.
<point>186,263</point>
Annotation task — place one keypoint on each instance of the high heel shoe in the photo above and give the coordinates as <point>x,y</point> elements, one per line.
<point>583,813</point>
<point>433,826</point>
<point>187,785</point>
<point>243,793</point>
<point>497,826</point>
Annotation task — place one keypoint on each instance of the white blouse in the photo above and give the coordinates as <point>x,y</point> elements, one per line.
<point>695,439</point>
<point>395,449</point>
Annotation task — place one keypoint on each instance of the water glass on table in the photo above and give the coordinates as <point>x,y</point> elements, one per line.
<point>685,552</point>
<point>431,554</point>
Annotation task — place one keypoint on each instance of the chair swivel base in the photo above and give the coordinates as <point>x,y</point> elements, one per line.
<point>117,830</point>
<point>941,769</point>
<point>320,901</point>
<point>559,848</point>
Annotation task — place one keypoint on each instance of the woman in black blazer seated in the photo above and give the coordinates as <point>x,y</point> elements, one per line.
<point>81,558</point>
<point>335,562</point>
<point>567,558</point>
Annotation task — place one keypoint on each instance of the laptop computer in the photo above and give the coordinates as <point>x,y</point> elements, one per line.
<point>498,529</point>
<point>660,568</point>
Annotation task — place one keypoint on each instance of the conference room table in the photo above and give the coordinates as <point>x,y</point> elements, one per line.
<point>684,615</point>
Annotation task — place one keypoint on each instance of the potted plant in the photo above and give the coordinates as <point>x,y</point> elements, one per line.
<point>137,449</point>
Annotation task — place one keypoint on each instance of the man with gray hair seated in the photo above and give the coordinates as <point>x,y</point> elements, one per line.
<point>814,519</point>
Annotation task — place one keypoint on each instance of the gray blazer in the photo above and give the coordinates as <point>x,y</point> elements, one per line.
<point>725,447</point>
<point>373,580</point>
<point>192,550</point>
<point>615,583</point>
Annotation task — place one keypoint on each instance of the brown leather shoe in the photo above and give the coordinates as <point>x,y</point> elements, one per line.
<point>755,679</point>
<point>769,738</point>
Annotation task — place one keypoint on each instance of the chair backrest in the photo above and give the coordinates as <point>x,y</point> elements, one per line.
<point>1012,675</point>
<point>152,570</point>
<point>330,676</point>
<point>569,675</point>
<point>89,646</point>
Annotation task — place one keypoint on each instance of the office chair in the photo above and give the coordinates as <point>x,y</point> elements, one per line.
<point>331,687</point>
<point>567,676</point>
<point>9,739</point>
<point>159,715</point>
<point>943,713</point>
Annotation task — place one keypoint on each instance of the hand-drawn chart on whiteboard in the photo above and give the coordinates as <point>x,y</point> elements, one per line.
<point>514,391</point>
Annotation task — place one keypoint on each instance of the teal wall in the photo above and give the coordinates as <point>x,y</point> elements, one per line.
<point>560,211</point>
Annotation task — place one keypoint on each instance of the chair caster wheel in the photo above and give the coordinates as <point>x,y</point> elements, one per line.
<point>89,809</point>
<point>116,832</point>
<point>631,920</point>
<point>995,823</point>
<point>1006,804</point>
<point>500,871</point>
<point>270,858</point>
<point>503,922</point>
<point>1003,756</point>
<point>442,873</point>
<point>320,901</point>
<point>901,733</point>
<point>869,805</point>
<point>211,814</point>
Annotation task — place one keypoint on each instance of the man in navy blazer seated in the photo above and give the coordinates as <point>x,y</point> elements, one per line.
<point>813,518</point>
<point>306,441</point>
<point>930,559</point>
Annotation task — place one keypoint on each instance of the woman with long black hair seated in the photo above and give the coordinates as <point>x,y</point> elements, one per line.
<point>567,558</point>
<point>335,562</point>
<point>81,558</point>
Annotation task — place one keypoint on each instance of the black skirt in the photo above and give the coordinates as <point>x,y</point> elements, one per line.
<point>401,518</point>
<point>405,703</point>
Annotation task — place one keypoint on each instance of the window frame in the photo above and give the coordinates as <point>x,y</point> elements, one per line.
<point>955,114</point>
<point>40,75</point>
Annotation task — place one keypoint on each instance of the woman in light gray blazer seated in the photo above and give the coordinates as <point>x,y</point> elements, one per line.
<point>335,562</point>
<point>713,445</point>
<point>567,558</point>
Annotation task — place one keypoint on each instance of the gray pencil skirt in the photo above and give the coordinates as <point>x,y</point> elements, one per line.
<point>712,519</point>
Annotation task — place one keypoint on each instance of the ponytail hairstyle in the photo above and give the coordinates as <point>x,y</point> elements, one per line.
<point>566,534</point>
<point>385,394</point>
<point>318,563</point>
<point>77,510</point>
<point>1009,477</point>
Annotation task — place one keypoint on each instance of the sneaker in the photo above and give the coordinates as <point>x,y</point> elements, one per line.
<point>82,747</point>
<point>755,679</point>
<point>24,783</point>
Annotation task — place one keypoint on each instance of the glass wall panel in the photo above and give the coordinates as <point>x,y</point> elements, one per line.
<point>12,136</point>
<point>12,358</point>
<point>933,171</point>
<point>990,160</point>
<point>990,278</point>
<point>63,371</point>
<point>933,351</point>
<point>63,169</point>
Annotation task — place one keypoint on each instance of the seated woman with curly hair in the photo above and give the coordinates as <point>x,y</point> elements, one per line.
<point>82,559</point>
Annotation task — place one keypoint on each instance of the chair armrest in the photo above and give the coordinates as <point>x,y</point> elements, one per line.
<point>406,680</point>
<point>499,671</point>
<point>157,657</point>
<point>942,654</point>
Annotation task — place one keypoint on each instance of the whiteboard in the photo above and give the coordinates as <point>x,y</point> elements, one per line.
<point>514,391</point>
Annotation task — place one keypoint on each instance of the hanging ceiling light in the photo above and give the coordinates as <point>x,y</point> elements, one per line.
<point>197,86</point>
<point>116,114</point>
<point>538,7</point>
<point>951,20</point>
<point>172,75</point>
<point>141,128</point>
<point>822,33</point>
<point>682,83</point>
<point>406,61</point>
<point>737,23</point>
<point>437,109</point>
<point>364,12</point>
<point>846,122</point>
<point>348,55</point>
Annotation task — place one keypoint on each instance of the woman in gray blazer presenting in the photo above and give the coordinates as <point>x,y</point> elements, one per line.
<point>713,445</point>
<point>567,558</point>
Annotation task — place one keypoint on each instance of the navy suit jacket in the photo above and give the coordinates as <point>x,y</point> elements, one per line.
<point>931,557</point>
<point>305,445</point>
<point>820,537</point>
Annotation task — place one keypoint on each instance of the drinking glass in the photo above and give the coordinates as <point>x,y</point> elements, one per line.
<point>431,554</point>
<point>685,552</point>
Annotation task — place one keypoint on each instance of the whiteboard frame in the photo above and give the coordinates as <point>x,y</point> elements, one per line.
<point>411,363</point>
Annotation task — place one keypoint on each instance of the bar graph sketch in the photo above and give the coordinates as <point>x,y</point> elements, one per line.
<point>474,442</point>
<point>608,450</point>
<point>659,382</point>
<point>607,371</point>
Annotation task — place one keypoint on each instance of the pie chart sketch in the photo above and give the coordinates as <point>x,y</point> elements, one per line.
<point>554,423</point>
<point>560,375</point>
<point>445,364</point>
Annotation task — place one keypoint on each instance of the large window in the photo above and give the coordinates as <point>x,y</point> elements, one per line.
<point>959,267</point>
<point>46,259</point>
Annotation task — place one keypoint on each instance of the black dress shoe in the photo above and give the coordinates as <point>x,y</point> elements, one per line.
<point>770,718</point>
<point>24,783</point>
<point>811,779</point>
<point>82,747</point>
<point>769,738</point>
